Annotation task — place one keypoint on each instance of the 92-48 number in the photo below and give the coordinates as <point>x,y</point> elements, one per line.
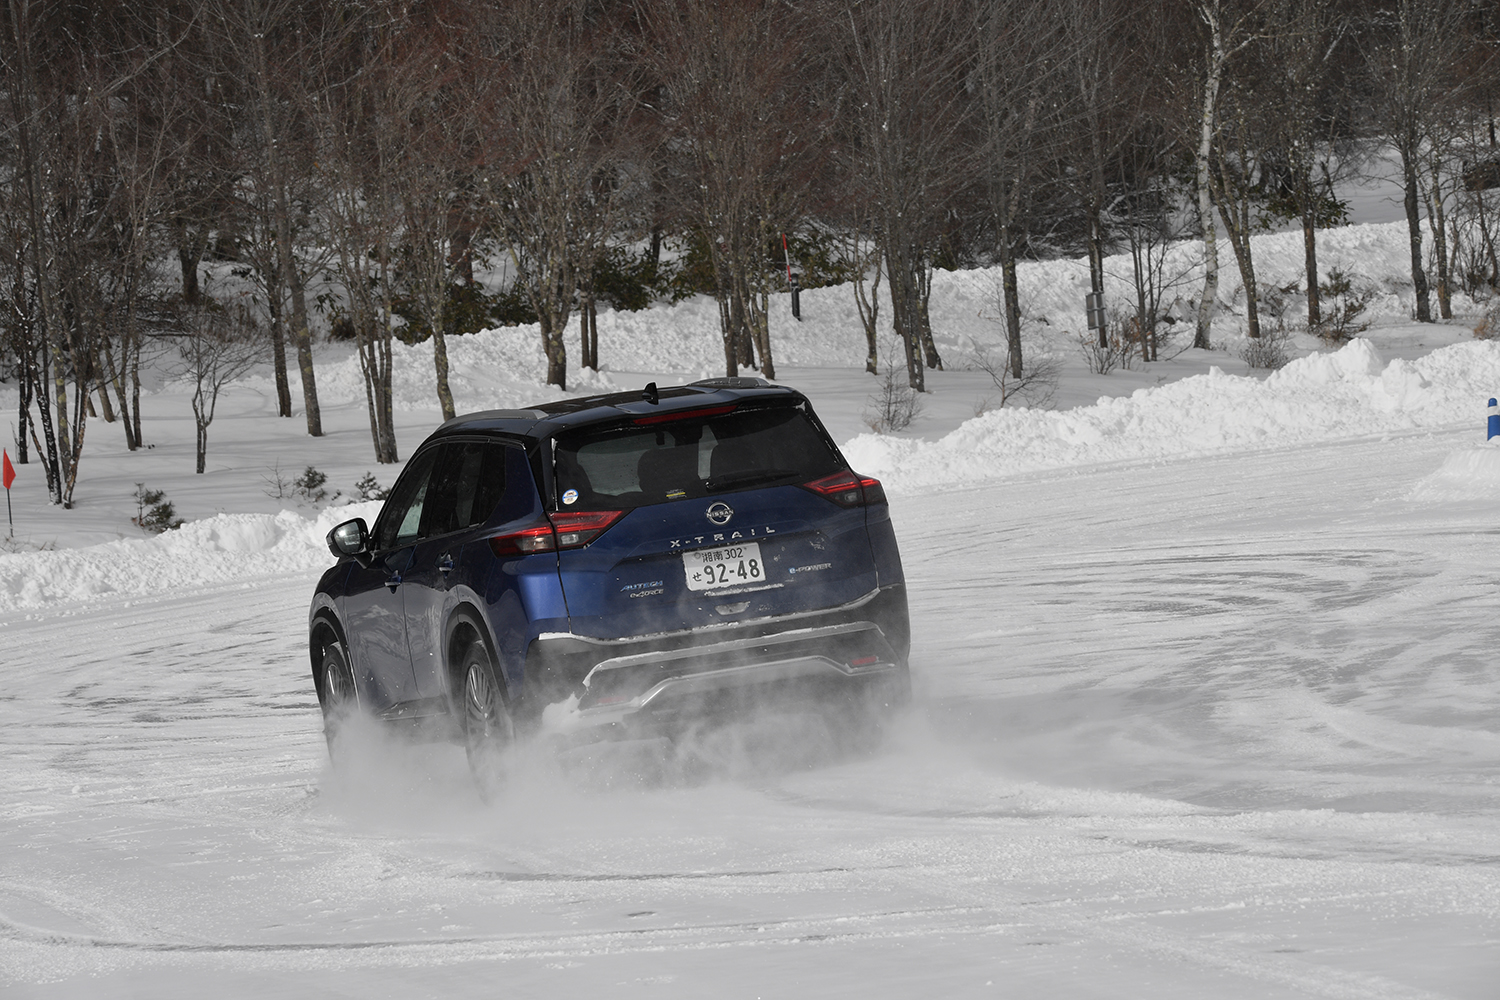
<point>710,569</point>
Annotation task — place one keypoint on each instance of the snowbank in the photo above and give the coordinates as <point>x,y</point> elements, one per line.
<point>489,370</point>
<point>965,306</point>
<point>505,366</point>
<point>1466,474</point>
<point>1322,397</point>
<point>1350,393</point>
<point>228,548</point>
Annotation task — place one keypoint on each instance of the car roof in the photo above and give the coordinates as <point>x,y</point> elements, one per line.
<point>545,419</point>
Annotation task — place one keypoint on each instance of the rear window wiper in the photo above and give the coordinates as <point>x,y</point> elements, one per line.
<point>751,477</point>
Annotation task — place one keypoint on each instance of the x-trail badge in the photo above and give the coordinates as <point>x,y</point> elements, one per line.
<point>720,513</point>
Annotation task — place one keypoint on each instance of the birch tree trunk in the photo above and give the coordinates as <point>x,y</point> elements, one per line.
<point>1435,224</point>
<point>1201,164</point>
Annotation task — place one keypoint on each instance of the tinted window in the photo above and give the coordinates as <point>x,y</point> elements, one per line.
<point>467,483</point>
<point>401,516</point>
<point>632,466</point>
<point>489,488</point>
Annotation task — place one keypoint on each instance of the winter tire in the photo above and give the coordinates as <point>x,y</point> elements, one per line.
<point>488,732</point>
<point>340,696</point>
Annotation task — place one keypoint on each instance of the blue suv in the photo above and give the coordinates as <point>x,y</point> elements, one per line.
<point>639,559</point>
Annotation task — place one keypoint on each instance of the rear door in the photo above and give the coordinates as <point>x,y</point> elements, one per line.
<point>718,522</point>
<point>467,483</point>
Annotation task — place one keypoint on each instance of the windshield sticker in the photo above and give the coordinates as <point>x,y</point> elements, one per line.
<point>570,497</point>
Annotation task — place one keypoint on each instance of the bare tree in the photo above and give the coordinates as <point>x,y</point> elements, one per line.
<point>1472,224</point>
<point>908,66</point>
<point>1415,49</point>
<point>152,139</point>
<point>1146,208</point>
<point>1453,138</point>
<point>218,344</point>
<point>362,106</point>
<point>254,219</point>
<point>735,85</point>
<point>861,256</point>
<point>1020,64</point>
<point>1237,182</point>
<point>75,207</point>
<point>1304,57</point>
<point>432,165</point>
<point>38,114</point>
<point>1109,67</point>
<point>1439,183</point>
<point>275,50</point>
<point>556,108</point>
<point>1229,29</point>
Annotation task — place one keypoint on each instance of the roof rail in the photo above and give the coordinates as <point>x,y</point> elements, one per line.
<point>732,382</point>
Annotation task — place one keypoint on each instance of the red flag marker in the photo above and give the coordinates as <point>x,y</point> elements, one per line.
<point>7,476</point>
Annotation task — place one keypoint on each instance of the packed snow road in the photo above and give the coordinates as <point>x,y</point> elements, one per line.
<point>1221,727</point>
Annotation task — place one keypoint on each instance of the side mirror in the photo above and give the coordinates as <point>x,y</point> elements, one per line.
<point>351,538</point>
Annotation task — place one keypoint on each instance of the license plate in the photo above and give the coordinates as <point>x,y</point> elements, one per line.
<point>727,566</point>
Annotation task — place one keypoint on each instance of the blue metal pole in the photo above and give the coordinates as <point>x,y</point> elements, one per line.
<point>1494,423</point>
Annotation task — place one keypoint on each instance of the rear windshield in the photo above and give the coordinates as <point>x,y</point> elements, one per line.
<point>634,466</point>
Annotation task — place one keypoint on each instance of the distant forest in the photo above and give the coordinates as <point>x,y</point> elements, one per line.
<point>389,150</point>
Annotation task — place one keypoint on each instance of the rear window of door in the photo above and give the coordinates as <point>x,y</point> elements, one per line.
<point>467,483</point>
<point>446,488</point>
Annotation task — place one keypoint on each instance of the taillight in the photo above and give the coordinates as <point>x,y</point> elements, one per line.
<point>576,529</point>
<point>848,490</point>
<point>565,530</point>
<point>524,542</point>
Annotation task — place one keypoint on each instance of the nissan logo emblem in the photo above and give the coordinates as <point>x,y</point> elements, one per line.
<point>720,513</point>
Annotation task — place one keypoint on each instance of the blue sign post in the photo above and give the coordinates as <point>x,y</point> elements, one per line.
<point>1494,426</point>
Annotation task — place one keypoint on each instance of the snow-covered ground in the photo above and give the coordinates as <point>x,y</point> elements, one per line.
<point>1206,706</point>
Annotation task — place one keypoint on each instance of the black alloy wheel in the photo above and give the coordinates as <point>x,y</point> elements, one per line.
<point>340,696</point>
<point>488,732</point>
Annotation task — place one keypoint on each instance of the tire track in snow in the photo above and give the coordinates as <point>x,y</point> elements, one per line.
<point>825,928</point>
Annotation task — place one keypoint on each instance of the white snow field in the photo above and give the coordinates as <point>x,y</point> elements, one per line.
<point>1207,706</point>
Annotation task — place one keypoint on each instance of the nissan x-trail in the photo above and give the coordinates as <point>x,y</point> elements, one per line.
<point>638,559</point>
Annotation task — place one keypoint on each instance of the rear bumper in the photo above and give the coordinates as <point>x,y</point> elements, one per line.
<point>647,685</point>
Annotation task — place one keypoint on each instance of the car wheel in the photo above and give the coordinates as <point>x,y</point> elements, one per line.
<point>488,732</point>
<point>340,696</point>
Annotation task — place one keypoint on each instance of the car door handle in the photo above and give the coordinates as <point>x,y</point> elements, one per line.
<point>394,582</point>
<point>445,564</point>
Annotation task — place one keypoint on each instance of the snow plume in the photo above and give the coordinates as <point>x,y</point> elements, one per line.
<point>381,780</point>
<point>1323,397</point>
<point>226,549</point>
